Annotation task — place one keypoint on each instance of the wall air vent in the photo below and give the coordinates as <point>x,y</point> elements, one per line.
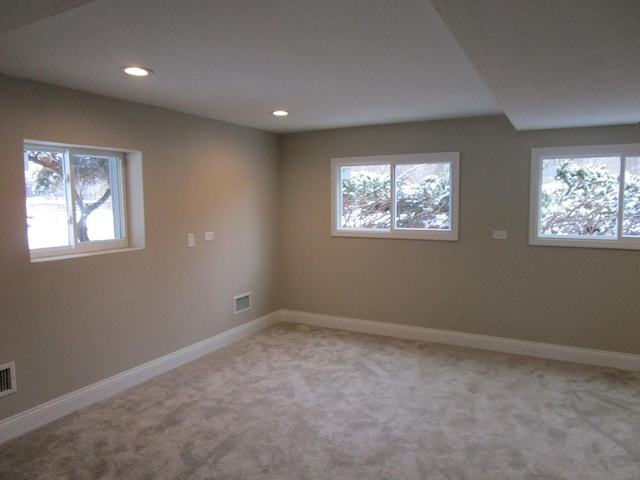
<point>242,303</point>
<point>8,379</point>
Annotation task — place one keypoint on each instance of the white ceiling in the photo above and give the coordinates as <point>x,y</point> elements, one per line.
<point>554,63</point>
<point>336,63</point>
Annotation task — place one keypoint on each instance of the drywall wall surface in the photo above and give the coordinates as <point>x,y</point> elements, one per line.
<point>70,323</point>
<point>569,296</point>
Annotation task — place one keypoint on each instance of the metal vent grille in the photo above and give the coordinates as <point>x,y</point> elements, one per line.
<point>242,303</point>
<point>7,379</point>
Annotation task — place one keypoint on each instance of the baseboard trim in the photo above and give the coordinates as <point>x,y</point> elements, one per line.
<point>47,412</point>
<point>498,344</point>
<point>61,406</point>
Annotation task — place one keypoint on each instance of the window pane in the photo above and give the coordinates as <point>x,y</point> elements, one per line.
<point>631,210</point>
<point>47,216</point>
<point>579,197</point>
<point>423,196</point>
<point>366,197</point>
<point>93,194</point>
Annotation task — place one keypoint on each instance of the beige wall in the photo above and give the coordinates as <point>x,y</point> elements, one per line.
<point>73,322</point>
<point>569,296</point>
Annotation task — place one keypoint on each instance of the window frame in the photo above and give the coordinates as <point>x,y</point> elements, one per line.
<point>451,158</point>
<point>538,155</point>
<point>118,194</point>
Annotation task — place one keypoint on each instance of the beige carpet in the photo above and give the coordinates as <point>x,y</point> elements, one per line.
<point>297,402</point>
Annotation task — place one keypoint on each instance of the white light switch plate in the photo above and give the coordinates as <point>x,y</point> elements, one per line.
<point>191,240</point>
<point>208,236</point>
<point>499,234</point>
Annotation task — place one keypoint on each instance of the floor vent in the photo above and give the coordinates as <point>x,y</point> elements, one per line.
<point>242,303</point>
<point>8,379</point>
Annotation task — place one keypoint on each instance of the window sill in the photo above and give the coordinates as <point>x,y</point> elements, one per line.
<point>83,254</point>
<point>444,235</point>
<point>612,244</point>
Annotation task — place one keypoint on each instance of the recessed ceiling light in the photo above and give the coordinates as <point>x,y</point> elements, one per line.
<point>137,71</point>
<point>281,113</point>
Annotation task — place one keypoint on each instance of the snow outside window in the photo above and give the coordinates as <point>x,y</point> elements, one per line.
<point>412,196</point>
<point>586,196</point>
<point>74,199</point>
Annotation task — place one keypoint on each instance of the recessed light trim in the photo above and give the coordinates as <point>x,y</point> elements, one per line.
<point>280,113</point>
<point>137,71</point>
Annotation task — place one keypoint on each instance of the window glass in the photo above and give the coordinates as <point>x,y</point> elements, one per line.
<point>366,197</point>
<point>74,199</point>
<point>413,196</point>
<point>579,196</point>
<point>631,216</point>
<point>96,186</point>
<point>423,196</point>
<point>46,198</point>
<point>586,196</point>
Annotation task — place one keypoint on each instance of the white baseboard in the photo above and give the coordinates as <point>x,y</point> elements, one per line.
<point>498,344</point>
<point>61,406</point>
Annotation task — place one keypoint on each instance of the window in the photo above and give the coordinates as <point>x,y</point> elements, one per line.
<point>411,196</point>
<point>75,199</point>
<point>586,196</point>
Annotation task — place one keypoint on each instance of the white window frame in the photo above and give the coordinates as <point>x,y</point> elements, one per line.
<point>118,194</point>
<point>537,157</point>
<point>452,158</point>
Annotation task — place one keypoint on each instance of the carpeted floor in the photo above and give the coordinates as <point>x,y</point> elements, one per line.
<point>297,402</point>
